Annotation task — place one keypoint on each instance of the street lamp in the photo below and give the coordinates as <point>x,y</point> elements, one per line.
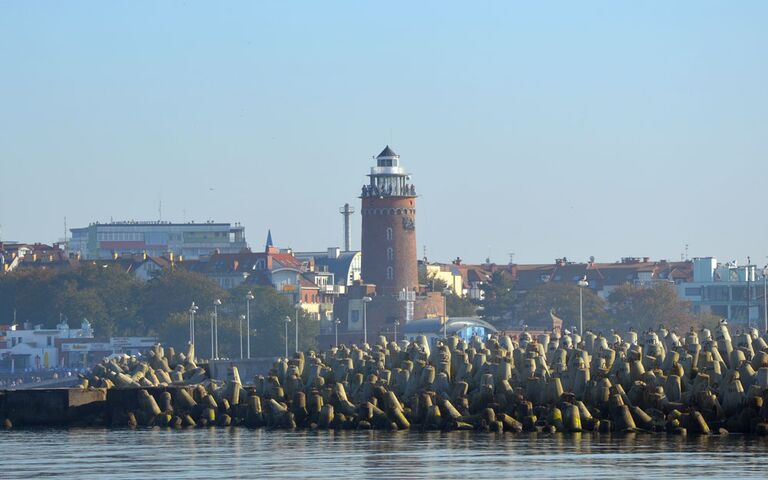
<point>397,322</point>
<point>298,307</point>
<point>287,321</point>
<point>216,304</point>
<point>765,299</point>
<point>242,317</point>
<point>445,326</point>
<point>336,324</point>
<point>366,300</point>
<point>581,283</point>
<point>248,297</point>
<point>192,311</point>
<point>212,350</point>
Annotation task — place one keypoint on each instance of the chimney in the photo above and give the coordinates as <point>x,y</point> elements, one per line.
<point>347,211</point>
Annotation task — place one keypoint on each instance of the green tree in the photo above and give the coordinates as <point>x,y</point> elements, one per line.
<point>106,296</point>
<point>499,299</point>
<point>269,308</point>
<point>563,299</point>
<point>459,307</point>
<point>644,307</point>
<point>30,295</point>
<point>173,291</point>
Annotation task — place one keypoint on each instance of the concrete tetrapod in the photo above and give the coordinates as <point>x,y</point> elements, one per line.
<point>657,381</point>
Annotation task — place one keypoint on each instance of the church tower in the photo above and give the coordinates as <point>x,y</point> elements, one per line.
<point>389,227</point>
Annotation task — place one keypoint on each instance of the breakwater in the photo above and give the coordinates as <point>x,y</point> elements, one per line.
<point>704,383</point>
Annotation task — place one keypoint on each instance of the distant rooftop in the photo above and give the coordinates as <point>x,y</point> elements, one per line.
<point>159,223</point>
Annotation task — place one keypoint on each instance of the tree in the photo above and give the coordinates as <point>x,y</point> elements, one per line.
<point>173,291</point>
<point>644,307</point>
<point>563,299</point>
<point>499,297</point>
<point>106,296</point>
<point>269,308</point>
<point>459,307</point>
<point>28,295</point>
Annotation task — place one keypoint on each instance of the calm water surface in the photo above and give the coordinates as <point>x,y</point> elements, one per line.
<point>243,453</point>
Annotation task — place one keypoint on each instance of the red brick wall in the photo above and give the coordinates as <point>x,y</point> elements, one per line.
<point>397,214</point>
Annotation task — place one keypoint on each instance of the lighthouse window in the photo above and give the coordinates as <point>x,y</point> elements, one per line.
<point>390,254</point>
<point>389,233</point>
<point>390,273</point>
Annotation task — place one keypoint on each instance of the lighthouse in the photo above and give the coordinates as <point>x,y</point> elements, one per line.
<point>388,209</point>
<point>389,294</point>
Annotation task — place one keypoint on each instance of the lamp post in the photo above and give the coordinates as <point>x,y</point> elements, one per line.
<point>366,300</point>
<point>765,299</point>
<point>397,322</point>
<point>248,298</point>
<point>287,321</point>
<point>581,283</point>
<point>749,292</point>
<point>212,350</point>
<point>216,304</point>
<point>242,317</point>
<point>336,324</point>
<point>298,307</point>
<point>192,311</point>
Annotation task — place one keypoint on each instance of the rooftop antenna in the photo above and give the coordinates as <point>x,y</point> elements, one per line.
<point>686,252</point>
<point>425,252</point>
<point>159,208</point>
<point>65,233</point>
<point>512,258</point>
<point>347,211</point>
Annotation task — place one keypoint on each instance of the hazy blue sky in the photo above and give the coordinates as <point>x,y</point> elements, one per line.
<point>547,129</point>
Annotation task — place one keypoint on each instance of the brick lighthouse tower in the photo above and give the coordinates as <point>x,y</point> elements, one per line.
<point>389,227</point>
<point>389,294</point>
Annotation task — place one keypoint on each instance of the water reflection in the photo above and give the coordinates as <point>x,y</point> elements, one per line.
<point>243,453</point>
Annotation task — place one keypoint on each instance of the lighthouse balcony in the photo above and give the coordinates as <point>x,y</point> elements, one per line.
<point>375,191</point>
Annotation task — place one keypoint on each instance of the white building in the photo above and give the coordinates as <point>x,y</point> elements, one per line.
<point>37,347</point>
<point>726,290</point>
<point>188,240</point>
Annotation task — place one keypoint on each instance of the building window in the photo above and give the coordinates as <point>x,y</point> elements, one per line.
<point>390,254</point>
<point>389,233</point>
<point>716,293</point>
<point>390,273</point>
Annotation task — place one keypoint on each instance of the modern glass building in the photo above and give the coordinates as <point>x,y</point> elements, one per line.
<point>190,240</point>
